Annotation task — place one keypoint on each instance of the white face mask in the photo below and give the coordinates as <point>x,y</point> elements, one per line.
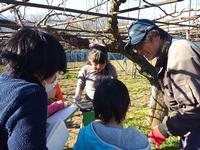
<point>49,86</point>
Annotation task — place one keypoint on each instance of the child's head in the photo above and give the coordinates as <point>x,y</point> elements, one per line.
<point>32,52</point>
<point>98,59</point>
<point>111,101</point>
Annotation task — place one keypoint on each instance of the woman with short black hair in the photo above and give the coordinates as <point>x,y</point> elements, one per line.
<point>31,58</point>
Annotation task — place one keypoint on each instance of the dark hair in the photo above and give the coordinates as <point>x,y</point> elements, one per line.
<point>98,56</point>
<point>156,32</point>
<point>111,100</point>
<point>32,52</point>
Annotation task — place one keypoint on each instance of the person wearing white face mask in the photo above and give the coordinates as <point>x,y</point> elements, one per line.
<point>49,87</point>
<point>55,97</point>
<point>31,57</point>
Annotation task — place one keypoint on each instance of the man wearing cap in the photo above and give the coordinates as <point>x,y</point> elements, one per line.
<point>178,62</point>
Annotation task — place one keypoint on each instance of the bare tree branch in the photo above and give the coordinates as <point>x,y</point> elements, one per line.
<point>10,6</point>
<point>167,14</point>
<point>18,17</point>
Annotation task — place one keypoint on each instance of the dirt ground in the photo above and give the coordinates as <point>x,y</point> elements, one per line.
<point>73,126</point>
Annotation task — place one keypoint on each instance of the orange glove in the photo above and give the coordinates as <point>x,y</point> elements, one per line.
<point>58,92</point>
<point>158,135</point>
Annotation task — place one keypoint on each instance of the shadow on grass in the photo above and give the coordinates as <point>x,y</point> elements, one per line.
<point>72,125</point>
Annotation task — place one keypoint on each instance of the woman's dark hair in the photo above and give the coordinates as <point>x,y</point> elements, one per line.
<point>111,101</point>
<point>32,52</point>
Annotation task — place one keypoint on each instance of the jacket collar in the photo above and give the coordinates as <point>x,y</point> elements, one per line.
<point>161,63</point>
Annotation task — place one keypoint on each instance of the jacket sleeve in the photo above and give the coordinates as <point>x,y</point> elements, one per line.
<point>112,71</point>
<point>55,106</point>
<point>80,83</point>
<point>58,95</point>
<point>79,145</point>
<point>183,71</point>
<point>27,126</point>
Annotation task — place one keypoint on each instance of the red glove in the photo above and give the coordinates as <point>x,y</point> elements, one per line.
<point>158,136</point>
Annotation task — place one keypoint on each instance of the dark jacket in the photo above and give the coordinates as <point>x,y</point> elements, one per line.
<point>179,76</point>
<point>23,113</point>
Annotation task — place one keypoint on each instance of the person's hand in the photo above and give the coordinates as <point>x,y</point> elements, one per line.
<point>77,99</point>
<point>158,135</point>
<point>66,104</point>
